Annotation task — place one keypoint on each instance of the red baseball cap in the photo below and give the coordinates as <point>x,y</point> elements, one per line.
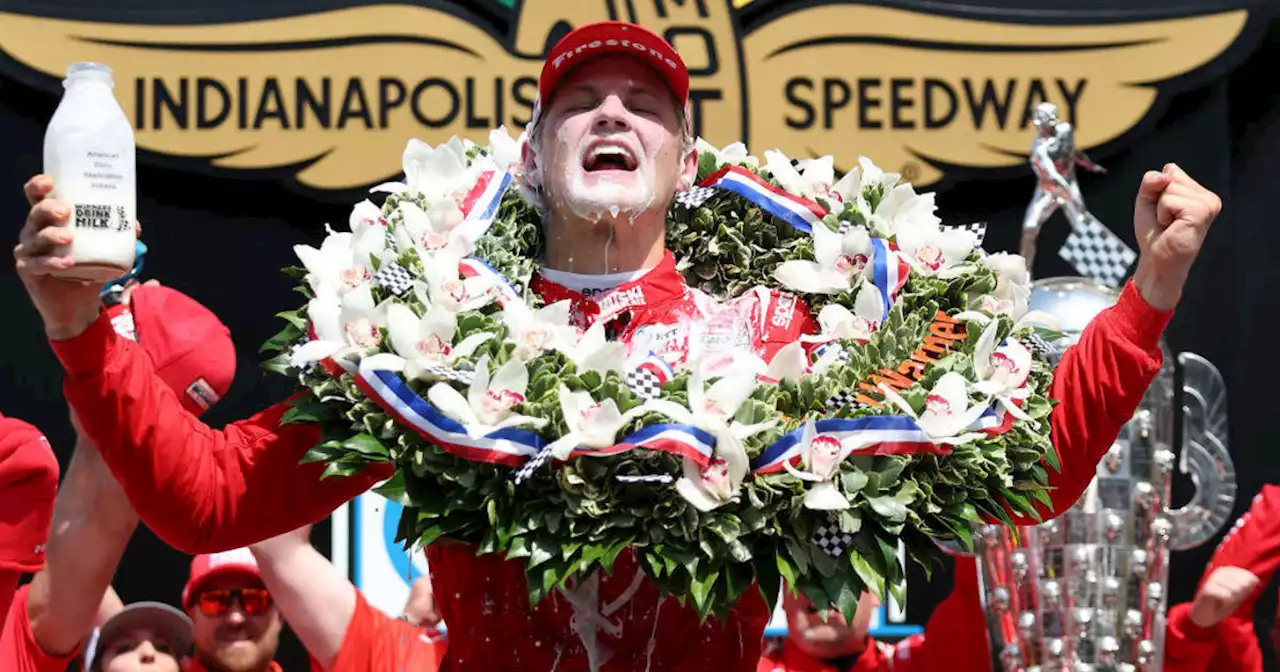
<point>189,346</point>
<point>614,37</point>
<point>205,567</point>
<point>28,485</point>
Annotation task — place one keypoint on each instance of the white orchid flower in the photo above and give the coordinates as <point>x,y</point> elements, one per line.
<point>1013,285</point>
<point>428,341</point>
<point>840,260</point>
<point>733,154</point>
<point>343,262</point>
<point>364,215</point>
<point>902,208</point>
<point>874,176</point>
<point>838,323</point>
<point>821,455</point>
<point>594,352</point>
<point>811,178</point>
<point>547,328</point>
<point>719,363</point>
<point>591,424</point>
<point>1002,371</point>
<point>947,413</point>
<point>343,326</point>
<point>432,231</point>
<point>931,250</point>
<point>504,149</point>
<point>720,481</point>
<point>791,362</point>
<point>713,408</point>
<point>444,286</point>
<point>489,405</point>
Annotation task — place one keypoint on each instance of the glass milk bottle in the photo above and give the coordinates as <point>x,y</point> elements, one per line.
<point>89,153</point>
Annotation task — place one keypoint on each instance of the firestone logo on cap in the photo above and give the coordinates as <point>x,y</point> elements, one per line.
<point>657,54</point>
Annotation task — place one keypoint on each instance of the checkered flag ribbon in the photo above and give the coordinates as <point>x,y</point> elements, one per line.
<point>533,464</point>
<point>694,197</point>
<point>450,373</point>
<point>832,540</point>
<point>1097,253</point>
<point>391,241</point>
<point>840,399</point>
<point>1038,346</point>
<point>645,384</point>
<point>394,278</point>
<point>979,229</point>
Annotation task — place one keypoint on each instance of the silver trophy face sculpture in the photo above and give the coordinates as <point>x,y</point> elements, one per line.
<point>1086,590</point>
<point>1092,249</point>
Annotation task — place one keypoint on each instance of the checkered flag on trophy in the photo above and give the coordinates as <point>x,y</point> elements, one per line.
<point>1097,253</point>
<point>832,540</point>
<point>694,197</point>
<point>394,278</point>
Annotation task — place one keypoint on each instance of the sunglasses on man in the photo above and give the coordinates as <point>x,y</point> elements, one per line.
<point>254,601</point>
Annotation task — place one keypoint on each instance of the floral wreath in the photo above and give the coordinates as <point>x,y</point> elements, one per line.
<point>917,411</point>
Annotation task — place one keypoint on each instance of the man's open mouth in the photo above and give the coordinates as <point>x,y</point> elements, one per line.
<point>608,156</point>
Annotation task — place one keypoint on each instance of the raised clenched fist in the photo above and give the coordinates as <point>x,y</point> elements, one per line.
<point>1222,593</point>
<point>1171,217</point>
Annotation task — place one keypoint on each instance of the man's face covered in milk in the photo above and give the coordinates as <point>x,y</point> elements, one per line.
<point>611,143</point>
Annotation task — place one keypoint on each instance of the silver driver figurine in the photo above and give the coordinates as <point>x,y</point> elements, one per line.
<point>1054,158</point>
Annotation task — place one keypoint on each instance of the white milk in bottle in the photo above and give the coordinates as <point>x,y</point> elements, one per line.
<point>89,153</point>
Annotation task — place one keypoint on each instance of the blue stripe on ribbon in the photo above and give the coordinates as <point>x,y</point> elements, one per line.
<point>770,205</point>
<point>646,433</point>
<point>789,440</point>
<point>880,260</point>
<point>444,423</point>
<point>491,208</point>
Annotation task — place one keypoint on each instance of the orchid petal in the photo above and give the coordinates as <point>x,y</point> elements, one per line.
<point>808,277</point>
<point>897,400</point>
<point>743,432</point>
<point>789,363</point>
<point>869,304</point>
<point>802,475</point>
<point>1041,318</point>
<point>313,351</point>
<point>563,446</point>
<point>383,361</point>
<point>672,410</point>
<point>479,385</point>
<point>453,404</point>
<point>468,345</point>
<point>695,495</point>
<point>779,165</point>
<point>325,315</point>
<point>982,366</point>
<point>827,245</point>
<point>729,393</point>
<point>403,327</point>
<point>515,420</point>
<point>825,497</point>
<point>511,376</point>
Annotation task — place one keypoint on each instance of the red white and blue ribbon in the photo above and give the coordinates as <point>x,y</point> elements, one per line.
<point>799,212</point>
<point>483,200</point>
<point>474,267</point>
<point>683,440</point>
<point>886,434</point>
<point>508,446</point>
<point>658,367</point>
<point>888,272</point>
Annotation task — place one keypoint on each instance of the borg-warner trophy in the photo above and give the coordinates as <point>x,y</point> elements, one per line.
<point>1087,590</point>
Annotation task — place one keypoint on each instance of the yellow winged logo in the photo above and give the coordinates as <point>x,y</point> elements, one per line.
<point>912,90</point>
<point>335,95</point>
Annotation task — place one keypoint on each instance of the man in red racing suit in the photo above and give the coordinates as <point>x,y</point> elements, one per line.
<point>606,154</point>
<point>1214,632</point>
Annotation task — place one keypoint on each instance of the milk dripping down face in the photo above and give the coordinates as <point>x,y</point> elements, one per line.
<point>611,143</point>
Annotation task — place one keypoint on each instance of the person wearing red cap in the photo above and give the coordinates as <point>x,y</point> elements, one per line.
<point>1215,632</point>
<point>821,640</point>
<point>93,520</point>
<point>28,483</point>
<point>341,631</point>
<point>608,150</point>
<point>237,626</point>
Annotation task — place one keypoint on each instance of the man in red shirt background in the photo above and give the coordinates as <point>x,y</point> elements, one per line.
<point>202,490</point>
<point>28,484</point>
<point>234,616</point>
<point>92,519</point>
<point>1215,631</point>
<point>341,631</point>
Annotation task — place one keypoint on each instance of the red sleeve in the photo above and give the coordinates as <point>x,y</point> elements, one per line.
<point>28,485</point>
<point>1099,383</point>
<point>201,490</point>
<point>19,651</point>
<point>1187,646</point>
<point>375,642</point>
<point>1253,544</point>
<point>955,637</point>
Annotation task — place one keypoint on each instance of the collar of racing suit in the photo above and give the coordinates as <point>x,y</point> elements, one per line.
<point>659,286</point>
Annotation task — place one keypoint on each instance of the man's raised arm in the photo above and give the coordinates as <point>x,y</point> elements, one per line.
<point>1101,379</point>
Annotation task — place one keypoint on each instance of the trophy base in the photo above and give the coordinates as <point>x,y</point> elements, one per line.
<point>92,272</point>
